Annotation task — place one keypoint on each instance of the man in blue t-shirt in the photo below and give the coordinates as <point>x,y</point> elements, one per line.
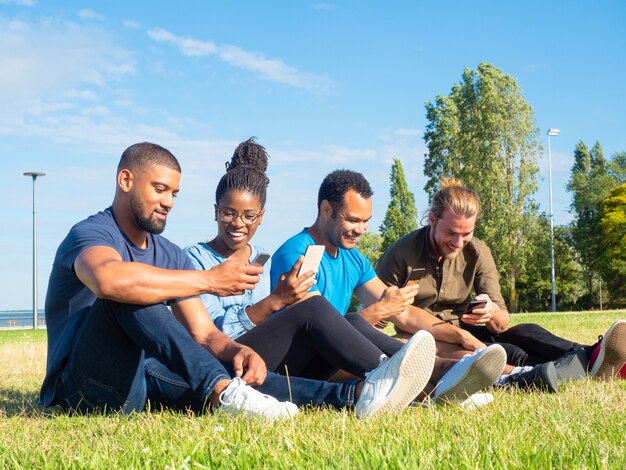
<point>113,343</point>
<point>344,209</point>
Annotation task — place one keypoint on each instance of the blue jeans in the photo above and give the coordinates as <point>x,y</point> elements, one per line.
<point>108,370</point>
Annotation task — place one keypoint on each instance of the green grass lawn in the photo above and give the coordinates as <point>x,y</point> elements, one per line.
<point>583,426</point>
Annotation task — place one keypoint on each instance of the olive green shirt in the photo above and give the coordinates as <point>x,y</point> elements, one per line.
<point>445,289</point>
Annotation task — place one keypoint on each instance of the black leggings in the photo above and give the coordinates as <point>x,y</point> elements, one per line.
<point>527,344</point>
<point>311,339</point>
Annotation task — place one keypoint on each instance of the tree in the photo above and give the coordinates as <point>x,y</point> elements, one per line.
<point>401,216</point>
<point>613,253</point>
<point>617,167</point>
<point>590,182</point>
<point>484,134</point>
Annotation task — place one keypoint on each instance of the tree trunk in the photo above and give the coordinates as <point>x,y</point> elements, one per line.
<point>512,293</point>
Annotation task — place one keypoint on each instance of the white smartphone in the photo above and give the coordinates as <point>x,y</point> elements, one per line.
<point>260,259</point>
<point>312,258</point>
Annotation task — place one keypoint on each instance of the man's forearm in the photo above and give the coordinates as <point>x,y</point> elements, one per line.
<point>372,314</point>
<point>499,322</point>
<point>415,319</point>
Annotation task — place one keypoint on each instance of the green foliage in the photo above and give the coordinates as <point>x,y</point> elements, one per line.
<point>617,167</point>
<point>590,182</point>
<point>484,134</point>
<point>401,216</point>
<point>534,286</point>
<point>612,263</point>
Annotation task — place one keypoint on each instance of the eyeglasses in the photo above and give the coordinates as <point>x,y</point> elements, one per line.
<point>248,218</point>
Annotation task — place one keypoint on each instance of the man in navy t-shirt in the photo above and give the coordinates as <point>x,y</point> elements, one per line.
<point>113,343</point>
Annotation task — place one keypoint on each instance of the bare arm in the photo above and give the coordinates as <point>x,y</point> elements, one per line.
<point>289,290</point>
<point>394,304</point>
<point>104,272</point>
<point>382,302</point>
<point>495,318</point>
<point>246,363</point>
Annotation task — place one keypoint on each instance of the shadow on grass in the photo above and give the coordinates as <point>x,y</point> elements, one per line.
<point>17,403</point>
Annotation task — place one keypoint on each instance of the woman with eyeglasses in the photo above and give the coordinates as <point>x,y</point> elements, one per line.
<point>297,336</point>
<point>307,338</point>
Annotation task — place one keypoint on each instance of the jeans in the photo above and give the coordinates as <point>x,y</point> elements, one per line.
<point>311,339</point>
<point>527,344</point>
<point>108,370</point>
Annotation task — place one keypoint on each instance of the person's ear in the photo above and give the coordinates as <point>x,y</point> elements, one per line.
<point>125,180</point>
<point>326,209</point>
<point>431,220</point>
<point>261,214</point>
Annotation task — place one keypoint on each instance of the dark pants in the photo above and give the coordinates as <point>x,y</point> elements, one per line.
<point>527,344</point>
<point>106,369</point>
<point>311,339</point>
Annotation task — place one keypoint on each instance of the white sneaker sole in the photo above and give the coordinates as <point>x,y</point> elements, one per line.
<point>414,373</point>
<point>481,374</point>
<point>612,354</point>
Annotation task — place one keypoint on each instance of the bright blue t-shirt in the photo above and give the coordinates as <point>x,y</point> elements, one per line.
<point>68,300</point>
<point>229,313</point>
<point>336,278</point>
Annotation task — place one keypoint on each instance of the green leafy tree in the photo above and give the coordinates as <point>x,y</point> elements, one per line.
<point>484,134</point>
<point>401,216</point>
<point>590,182</point>
<point>534,286</point>
<point>613,253</point>
<point>617,167</point>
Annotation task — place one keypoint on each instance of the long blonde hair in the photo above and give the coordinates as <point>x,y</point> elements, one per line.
<point>456,198</point>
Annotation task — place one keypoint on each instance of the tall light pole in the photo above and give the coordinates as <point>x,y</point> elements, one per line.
<point>551,132</point>
<point>34,175</point>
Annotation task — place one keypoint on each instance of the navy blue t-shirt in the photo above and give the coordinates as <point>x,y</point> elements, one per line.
<point>68,300</point>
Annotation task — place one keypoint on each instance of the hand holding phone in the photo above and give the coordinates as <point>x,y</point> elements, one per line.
<point>414,275</point>
<point>474,304</point>
<point>260,259</point>
<point>312,258</point>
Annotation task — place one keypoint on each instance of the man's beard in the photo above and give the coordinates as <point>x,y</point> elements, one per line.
<point>150,224</point>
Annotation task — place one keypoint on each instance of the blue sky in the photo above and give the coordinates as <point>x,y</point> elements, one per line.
<point>322,85</point>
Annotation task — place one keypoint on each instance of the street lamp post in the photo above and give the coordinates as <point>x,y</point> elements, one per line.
<point>551,132</point>
<point>34,175</point>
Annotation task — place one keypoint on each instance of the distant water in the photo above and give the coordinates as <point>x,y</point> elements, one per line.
<point>20,319</point>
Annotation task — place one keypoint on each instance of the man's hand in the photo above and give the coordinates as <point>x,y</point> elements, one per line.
<point>394,300</point>
<point>249,366</point>
<point>232,278</point>
<point>291,288</point>
<point>482,315</point>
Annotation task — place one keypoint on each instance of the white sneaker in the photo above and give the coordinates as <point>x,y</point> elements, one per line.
<point>397,380</point>
<point>612,352</point>
<point>470,375</point>
<point>241,399</point>
<point>476,401</point>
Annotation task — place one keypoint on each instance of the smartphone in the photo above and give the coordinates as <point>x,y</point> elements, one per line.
<point>312,258</point>
<point>475,304</point>
<point>260,259</point>
<point>413,276</point>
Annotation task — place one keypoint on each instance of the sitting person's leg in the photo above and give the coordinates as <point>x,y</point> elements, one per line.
<point>106,367</point>
<point>312,336</point>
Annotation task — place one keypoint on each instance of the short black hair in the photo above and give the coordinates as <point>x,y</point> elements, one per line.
<point>246,171</point>
<point>338,183</point>
<point>140,155</point>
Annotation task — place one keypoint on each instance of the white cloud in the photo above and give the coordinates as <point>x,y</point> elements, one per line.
<point>22,3</point>
<point>402,133</point>
<point>87,14</point>
<point>270,69</point>
<point>131,24</point>
<point>323,6</point>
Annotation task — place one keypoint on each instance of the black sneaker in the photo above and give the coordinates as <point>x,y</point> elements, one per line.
<point>542,378</point>
<point>572,366</point>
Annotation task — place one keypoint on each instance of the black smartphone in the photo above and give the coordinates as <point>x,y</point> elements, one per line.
<point>260,259</point>
<point>475,304</point>
<point>413,276</point>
